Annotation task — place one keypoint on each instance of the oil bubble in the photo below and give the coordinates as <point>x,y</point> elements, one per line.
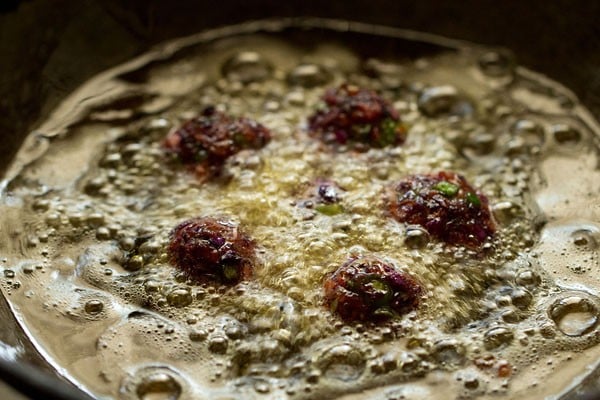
<point>342,362</point>
<point>218,345</point>
<point>438,100</point>
<point>155,383</point>
<point>246,67</point>
<point>480,143</point>
<point>530,131</point>
<point>471,382</point>
<point>93,306</point>
<point>262,387</point>
<point>94,186</point>
<point>574,315</point>
<point>521,298</point>
<point>384,364</point>
<point>416,237</point>
<point>40,205</point>
<point>102,233</point>
<point>528,278</point>
<point>510,316</point>
<point>409,363</point>
<point>179,297</point>
<point>584,238</point>
<point>198,335</point>
<point>134,263</point>
<point>378,69</point>
<point>496,64</point>
<point>565,134</point>
<point>449,353</point>
<point>308,75</point>
<point>152,286</point>
<point>497,337</point>
<point>234,331</point>
<point>28,269</point>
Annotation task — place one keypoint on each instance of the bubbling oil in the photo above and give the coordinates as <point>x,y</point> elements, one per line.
<point>88,205</point>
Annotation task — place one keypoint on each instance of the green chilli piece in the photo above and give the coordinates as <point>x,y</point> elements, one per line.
<point>379,286</point>
<point>473,199</point>
<point>376,286</point>
<point>361,131</point>
<point>201,156</point>
<point>389,132</point>
<point>330,209</point>
<point>384,313</point>
<point>230,272</point>
<point>446,188</point>
<point>240,139</point>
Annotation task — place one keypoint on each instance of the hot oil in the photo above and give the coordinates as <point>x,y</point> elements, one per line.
<point>89,203</point>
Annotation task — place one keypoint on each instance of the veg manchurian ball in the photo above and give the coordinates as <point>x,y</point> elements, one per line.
<point>446,205</point>
<point>369,289</point>
<point>207,141</point>
<point>357,116</point>
<point>207,248</point>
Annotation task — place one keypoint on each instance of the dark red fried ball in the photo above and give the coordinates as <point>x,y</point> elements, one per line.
<point>446,206</point>
<point>206,142</point>
<point>368,289</point>
<point>358,116</point>
<point>207,248</point>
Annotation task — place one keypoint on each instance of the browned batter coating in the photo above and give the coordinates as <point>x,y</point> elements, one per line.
<point>207,248</point>
<point>207,141</point>
<point>357,116</point>
<point>446,205</point>
<point>369,289</point>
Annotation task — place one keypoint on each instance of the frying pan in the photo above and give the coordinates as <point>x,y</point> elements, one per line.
<point>48,48</point>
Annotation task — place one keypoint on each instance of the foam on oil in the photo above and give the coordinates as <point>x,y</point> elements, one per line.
<point>90,201</point>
